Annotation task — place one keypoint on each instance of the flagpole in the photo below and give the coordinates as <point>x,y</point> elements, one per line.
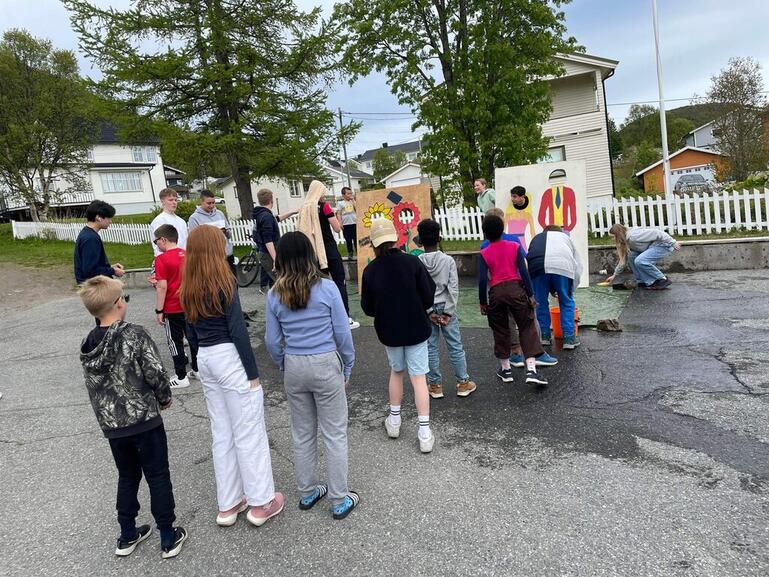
<point>663,122</point>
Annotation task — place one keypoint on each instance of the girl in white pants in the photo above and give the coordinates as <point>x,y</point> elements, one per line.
<point>230,378</point>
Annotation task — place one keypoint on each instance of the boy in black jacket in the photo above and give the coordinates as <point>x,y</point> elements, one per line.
<point>266,234</point>
<point>128,388</point>
<point>397,290</point>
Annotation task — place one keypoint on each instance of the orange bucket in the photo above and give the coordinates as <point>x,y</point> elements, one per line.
<point>555,322</point>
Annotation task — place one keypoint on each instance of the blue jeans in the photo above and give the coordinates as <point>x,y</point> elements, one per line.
<point>453,345</point>
<point>413,358</point>
<point>643,264</point>
<point>564,288</point>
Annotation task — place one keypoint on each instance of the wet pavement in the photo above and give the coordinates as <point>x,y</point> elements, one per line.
<point>648,454</point>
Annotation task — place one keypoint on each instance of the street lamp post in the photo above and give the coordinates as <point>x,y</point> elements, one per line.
<point>663,122</point>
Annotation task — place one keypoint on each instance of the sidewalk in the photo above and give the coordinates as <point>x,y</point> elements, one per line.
<point>647,455</point>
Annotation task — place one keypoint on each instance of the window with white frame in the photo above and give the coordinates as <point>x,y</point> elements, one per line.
<point>555,154</point>
<point>121,182</point>
<point>138,153</point>
<point>295,191</point>
<point>152,155</point>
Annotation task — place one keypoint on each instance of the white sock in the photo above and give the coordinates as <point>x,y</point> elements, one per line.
<point>424,427</point>
<point>395,414</point>
<point>504,363</point>
<point>531,364</point>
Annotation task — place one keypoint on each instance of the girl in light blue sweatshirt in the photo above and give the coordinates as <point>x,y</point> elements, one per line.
<point>308,336</point>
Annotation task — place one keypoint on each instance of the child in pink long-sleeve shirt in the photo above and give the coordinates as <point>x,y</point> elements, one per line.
<point>502,267</point>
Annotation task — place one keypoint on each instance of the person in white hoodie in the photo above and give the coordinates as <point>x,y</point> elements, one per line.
<point>443,313</point>
<point>207,213</point>
<point>554,267</point>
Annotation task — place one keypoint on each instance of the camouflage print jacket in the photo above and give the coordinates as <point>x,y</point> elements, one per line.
<point>126,381</point>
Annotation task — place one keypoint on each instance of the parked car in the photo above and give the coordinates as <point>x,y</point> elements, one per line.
<point>689,183</point>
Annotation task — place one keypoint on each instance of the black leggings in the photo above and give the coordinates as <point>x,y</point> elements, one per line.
<point>335,269</point>
<point>350,232</point>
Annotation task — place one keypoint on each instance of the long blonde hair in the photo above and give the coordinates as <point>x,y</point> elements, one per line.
<point>619,232</point>
<point>309,220</point>
<point>207,280</point>
<point>297,269</point>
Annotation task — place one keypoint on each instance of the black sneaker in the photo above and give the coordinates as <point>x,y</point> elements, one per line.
<point>660,284</point>
<point>180,536</point>
<point>533,377</point>
<point>125,548</point>
<point>506,375</point>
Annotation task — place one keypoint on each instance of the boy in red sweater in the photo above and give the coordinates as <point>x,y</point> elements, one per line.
<point>168,272</point>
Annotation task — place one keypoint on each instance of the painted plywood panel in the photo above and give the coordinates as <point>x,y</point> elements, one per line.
<point>404,205</point>
<point>557,194</point>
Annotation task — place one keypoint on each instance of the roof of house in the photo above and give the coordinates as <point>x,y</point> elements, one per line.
<point>169,168</point>
<point>108,134</point>
<point>589,59</point>
<point>676,153</point>
<point>402,168</point>
<point>336,166</point>
<point>220,181</point>
<point>413,146</point>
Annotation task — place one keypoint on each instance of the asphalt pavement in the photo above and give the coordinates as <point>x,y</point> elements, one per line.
<point>648,454</point>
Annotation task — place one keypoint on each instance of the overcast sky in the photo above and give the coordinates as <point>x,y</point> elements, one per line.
<point>697,38</point>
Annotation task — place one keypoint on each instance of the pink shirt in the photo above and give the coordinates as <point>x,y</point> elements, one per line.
<point>502,261</point>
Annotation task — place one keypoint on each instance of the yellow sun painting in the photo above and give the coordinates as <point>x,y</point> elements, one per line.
<point>375,211</point>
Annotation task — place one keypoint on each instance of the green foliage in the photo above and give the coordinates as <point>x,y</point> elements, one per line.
<point>385,163</point>
<point>47,122</point>
<point>759,180</point>
<point>643,125</point>
<point>472,70</point>
<point>615,140</point>
<point>740,133</point>
<point>645,154</point>
<point>243,81</point>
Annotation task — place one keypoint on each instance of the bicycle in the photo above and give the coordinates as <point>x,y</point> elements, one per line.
<point>248,268</point>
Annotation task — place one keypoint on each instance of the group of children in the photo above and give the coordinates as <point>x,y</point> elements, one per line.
<point>413,301</point>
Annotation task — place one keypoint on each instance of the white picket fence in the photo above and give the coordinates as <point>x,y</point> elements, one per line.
<point>707,213</point>
<point>695,214</point>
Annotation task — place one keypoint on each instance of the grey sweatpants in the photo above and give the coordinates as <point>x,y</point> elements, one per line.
<point>316,397</point>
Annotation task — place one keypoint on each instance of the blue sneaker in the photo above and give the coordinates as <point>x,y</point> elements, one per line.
<point>545,360</point>
<point>545,339</point>
<point>517,361</point>
<point>571,342</point>
<point>344,508</point>
<point>308,502</point>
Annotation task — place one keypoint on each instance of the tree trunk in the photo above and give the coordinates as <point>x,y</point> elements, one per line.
<point>240,175</point>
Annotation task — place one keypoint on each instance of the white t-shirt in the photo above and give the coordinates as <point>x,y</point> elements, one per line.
<point>177,222</point>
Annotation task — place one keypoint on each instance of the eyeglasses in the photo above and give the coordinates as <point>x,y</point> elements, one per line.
<point>126,298</point>
<point>157,240</point>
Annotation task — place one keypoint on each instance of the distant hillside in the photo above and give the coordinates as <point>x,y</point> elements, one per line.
<point>679,120</point>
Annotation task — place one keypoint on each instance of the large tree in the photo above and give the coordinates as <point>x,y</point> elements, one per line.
<point>642,125</point>
<point>473,71</point>
<point>739,132</point>
<point>47,124</point>
<point>383,163</point>
<point>248,77</point>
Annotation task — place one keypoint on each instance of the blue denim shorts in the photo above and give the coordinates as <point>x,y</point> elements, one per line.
<point>414,358</point>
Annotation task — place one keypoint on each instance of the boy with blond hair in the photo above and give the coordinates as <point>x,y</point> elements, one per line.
<point>128,388</point>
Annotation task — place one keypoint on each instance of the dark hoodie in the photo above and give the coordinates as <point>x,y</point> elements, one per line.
<point>265,228</point>
<point>125,379</point>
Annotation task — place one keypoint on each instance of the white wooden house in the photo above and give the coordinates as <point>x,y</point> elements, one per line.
<point>408,174</point>
<point>129,177</point>
<point>287,194</point>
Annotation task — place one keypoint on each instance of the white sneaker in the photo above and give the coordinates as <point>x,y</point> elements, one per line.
<point>353,324</point>
<point>177,383</point>
<point>193,375</point>
<point>426,445</point>
<point>393,431</point>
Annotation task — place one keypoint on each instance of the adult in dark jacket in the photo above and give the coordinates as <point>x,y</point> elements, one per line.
<point>90,258</point>
<point>397,290</point>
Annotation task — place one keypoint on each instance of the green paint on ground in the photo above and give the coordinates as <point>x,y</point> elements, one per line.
<point>595,303</point>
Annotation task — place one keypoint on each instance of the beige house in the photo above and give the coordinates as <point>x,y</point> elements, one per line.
<point>578,125</point>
